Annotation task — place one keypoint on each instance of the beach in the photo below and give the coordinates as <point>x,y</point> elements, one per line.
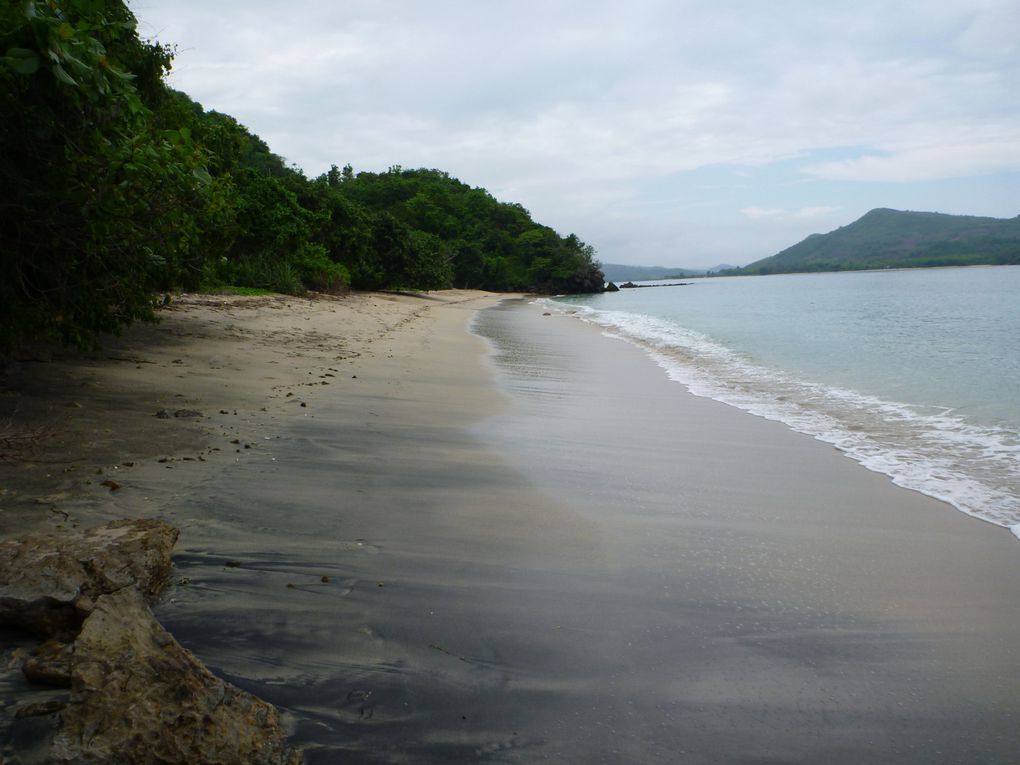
<point>520,543</point>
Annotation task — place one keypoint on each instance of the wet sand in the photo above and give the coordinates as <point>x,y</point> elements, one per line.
<point>551,553</point>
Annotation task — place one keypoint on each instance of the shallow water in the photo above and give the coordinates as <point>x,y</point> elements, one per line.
<point>912,373</point>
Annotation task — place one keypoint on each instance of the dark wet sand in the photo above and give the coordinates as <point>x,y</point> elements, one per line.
<point>604,569</point>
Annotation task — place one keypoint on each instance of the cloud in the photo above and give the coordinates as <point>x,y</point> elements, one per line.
<point>763,212</point>
<point>814,212</point>
<point>757,213</point>
<point>585,111</point>
<point>953,157</point>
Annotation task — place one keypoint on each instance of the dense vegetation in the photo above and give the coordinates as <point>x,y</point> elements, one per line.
<point>893,239</point>
<point>116,190</point>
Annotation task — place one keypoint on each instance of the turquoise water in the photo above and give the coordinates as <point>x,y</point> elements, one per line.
<point>915,374</point>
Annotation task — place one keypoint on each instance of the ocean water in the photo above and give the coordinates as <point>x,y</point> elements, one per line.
<point>914,374</point>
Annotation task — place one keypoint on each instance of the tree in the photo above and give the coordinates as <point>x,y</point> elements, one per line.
<point>96,199</point>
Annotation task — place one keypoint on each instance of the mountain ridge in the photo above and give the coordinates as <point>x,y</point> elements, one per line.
<point>886,238</point>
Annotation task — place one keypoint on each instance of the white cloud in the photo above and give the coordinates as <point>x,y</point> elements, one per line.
<point>763,212</point>
<point>814,212</point>
<point>952,157</point>
<point>777,213</point>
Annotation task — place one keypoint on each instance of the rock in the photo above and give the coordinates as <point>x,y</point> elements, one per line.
<point>187,413</point>
<point>49,664</point>
<point>49,582</point>
<point>163,414</point>
<point>38,710</point>
<point>611,287</point>
<point>138,696</point>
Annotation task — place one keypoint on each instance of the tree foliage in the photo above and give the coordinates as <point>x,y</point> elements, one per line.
<point>96,200</point>
<point>115,189</point>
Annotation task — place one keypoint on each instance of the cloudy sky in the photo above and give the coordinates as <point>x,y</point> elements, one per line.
<point>663,132</point>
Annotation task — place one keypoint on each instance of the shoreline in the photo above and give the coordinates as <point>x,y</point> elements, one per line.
<point>798,605</point>
<point>526,543</point>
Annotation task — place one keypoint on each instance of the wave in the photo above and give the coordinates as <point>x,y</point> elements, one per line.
<point>928,449</point>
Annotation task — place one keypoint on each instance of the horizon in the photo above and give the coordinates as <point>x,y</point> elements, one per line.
<point>656,132</point>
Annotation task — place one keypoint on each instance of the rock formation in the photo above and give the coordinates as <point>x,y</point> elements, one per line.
<point>136,695</point>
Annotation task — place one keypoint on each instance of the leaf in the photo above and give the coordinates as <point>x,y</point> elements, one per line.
<point>63,76</point>
<point>22,60</point>
<point>202,175</point>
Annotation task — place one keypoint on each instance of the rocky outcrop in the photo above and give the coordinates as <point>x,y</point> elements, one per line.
<point>49,582</point>
<point>137,696</point>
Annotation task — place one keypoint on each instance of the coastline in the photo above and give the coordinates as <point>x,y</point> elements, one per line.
<point>532,548</point>
<point>786,602</point>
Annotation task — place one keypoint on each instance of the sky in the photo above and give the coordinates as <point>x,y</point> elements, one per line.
<point>681,133</point>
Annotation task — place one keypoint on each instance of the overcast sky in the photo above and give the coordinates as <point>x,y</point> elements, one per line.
<point>663,132</point>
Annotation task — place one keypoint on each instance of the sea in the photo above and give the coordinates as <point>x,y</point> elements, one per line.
<point>912,373</point>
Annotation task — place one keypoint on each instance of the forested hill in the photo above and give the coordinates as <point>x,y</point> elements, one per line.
<point>886,238</point>
<point>116,190</point>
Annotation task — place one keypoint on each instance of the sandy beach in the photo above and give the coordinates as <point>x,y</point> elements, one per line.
<point>522,544</point>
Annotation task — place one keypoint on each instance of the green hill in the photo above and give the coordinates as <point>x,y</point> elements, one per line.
<point>886,238</point>
<point>117,191</point>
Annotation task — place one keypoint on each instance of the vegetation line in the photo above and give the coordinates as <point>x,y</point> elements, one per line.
<point>115,188</point>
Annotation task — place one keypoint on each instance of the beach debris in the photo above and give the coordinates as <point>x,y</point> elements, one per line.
<point>111,485</point>
<point>185,413</point>
<point>232,564</point>
<point>163,414</point>
<point>324,579</point>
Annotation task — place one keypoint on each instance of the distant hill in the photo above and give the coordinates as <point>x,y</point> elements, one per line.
<point>720,267</point>
<point>616,272</point>
<point>886,238</point>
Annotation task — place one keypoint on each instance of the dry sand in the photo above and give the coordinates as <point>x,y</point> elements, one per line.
<point>247,365</point>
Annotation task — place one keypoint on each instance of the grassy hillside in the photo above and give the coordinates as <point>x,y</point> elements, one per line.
<point>895,239</point>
